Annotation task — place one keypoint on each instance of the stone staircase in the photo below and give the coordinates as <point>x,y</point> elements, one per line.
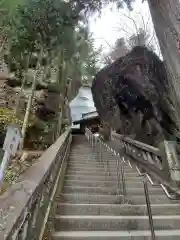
<point>91,204</point>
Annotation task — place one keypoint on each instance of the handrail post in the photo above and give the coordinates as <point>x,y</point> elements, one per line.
<point>92,140</point>
<point>148,204</point>
<point>118,175</point>
<point>123,182</point>
<point>89,137</point>
<point>106,159</point>
<point>100,150</point>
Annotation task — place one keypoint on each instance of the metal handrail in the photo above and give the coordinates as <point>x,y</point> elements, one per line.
<point>121,176</point>
<point>120,162</point>
<point>148,204</point>
<point>122,185</point>
<point>147,177</point>
<point>164,188</point>
<point>162,185</point>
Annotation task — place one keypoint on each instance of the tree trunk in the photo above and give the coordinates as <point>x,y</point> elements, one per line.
<point>29,105</point>
<point>27,58</point>
<point>63,93</point>
<point>3,43</point>
<point>59,87</point>
<point>166,18</point>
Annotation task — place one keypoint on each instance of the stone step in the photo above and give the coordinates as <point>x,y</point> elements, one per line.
<point>89,198</point>
<point>112,199</point>
<point>114,209</point>
<point>101,173</point>
<point>88,157</point>
<point>95,158</point>
<point>84,168</point>
<point>92,183</point>
<point>81,148</point>
<point>109,190</point>
<point>98,167</point>
<point>116,235</point>
<point>93,152</point>
<point>101,178</point>
<point>93,149</point>
<point>88,153</point>
<point>114,223</point>
<point>93,163</point>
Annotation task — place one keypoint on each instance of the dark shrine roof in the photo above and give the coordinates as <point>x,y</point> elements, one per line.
<point>86,120</point>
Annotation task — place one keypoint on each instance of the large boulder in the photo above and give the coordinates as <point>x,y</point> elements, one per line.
<point>132,95</point>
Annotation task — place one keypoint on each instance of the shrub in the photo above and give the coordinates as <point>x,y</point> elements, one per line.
<point>7,117</point>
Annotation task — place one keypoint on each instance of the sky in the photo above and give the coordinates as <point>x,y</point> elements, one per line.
<point>113,24</point>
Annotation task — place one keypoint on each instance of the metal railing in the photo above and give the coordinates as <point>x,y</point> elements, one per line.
<point>101,146</point>
<point>103,149</point>
<point>25,208</point>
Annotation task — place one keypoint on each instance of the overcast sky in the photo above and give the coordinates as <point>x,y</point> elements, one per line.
<point>108,27</point>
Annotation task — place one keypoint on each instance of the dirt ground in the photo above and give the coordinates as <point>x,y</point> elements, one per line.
<point>17,166</point>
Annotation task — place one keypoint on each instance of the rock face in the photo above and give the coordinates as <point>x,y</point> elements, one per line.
<point>131,94</point>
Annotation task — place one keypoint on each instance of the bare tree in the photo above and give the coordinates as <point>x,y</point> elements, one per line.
<point>137,32</point>
<point>141,38</point>
<point>134,32</point>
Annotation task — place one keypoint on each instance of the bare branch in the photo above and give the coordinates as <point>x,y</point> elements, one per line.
<point>130,18</point>
<point>124,30</point>
<point>142,18</point>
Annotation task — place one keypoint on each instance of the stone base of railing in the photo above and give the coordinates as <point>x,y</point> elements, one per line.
<point>157,162</point>
<point>25,206</point>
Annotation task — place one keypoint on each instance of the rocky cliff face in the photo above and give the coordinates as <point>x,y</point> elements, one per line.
<point>132,95</point>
